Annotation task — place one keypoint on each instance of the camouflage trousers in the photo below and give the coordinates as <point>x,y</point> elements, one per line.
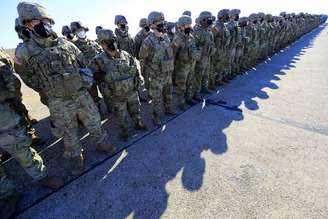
<point>160,90</point>
<point>183,81</point>
<point>64,114</point>
<point>217,68</point>
<point>146,74</point>
<point>16,142</point>
<point>129,105</point>
<point>239,59</point>
<point>202,71</point>
<point>231,62</point>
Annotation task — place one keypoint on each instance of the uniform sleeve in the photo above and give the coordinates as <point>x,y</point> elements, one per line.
<point>176,44</point>
<point>79,55</point>
<point>144,53</point>
<point>94,66</point>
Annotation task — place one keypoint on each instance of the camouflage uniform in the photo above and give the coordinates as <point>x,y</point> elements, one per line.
<point>221,40</point>
<point>13,135</point>
<point>157,54</point>
<point>186,54</point>
<point>54,64</point>
<point>205,43</point>
<point>138,40</point>
<point>124,39</point>
<point>122,77</point>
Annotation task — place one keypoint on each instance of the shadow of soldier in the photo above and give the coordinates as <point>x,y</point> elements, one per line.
<point>135,181</point>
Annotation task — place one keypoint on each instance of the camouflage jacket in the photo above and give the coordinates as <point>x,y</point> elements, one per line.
<point>138,39</point>
<point>52,66</point>
<point>7,77</point>
<point>221,35</point>
<point>157,54</point>
<point>8,118</point>
<point>125,41</point>
<point>89,48</point>
<point>184,48</point>
<point>204,41</point>
<point>120,73</point>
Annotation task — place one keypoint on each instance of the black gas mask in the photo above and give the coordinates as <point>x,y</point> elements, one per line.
<point>147,28</point>
<point>187,30</point>
<point>236,17</point>
<point>209,21</point>
<point>160,27</point>
<point>111,44</point>
<point>43,29</point>
<point>122,26</point>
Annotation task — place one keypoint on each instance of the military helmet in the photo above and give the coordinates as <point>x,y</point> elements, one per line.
<point>65,29</point>
<point>77,25</point>
<point>222,13</point>
<point>155,16</point>
<point>283,14</point>
<point>98,28</point>
<point>188,13</point>
<point>204,15</point>
<point>106,35</point>
<point>120,19</point>
<point>243,19</point>
<point>253,16</point>
<point>32,11</point>
<point>261,15</point>
<point>143,22</point>
<point>184,20</point>
<point>234,12</point>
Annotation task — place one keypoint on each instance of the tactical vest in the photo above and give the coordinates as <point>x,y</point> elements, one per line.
<point>125,42</point>
<point>162,60</point>
<point>57,68</point>
<point>120,73</point>
<point>206,41</point>
<point>221,36</point>
<point>188,50</point>
<point>88,47</point>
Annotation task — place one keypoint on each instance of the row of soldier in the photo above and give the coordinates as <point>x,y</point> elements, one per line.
<point>67,73</point>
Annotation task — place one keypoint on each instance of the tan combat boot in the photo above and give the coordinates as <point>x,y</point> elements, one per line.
<point>77,165</point>
<point>53,183</point>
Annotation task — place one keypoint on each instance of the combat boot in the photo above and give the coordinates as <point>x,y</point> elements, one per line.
<point>205,90</point>
<point>140,126</point>
<point>36,140</point>
<point>183,106</point>
<point>212,87</point>
<point>156,120</point>
<point>31,120</point>
<point>8,205</point>
<point>124,135</point>
<point>169,111</point>
<point>197,97</point>
<point>190,102</point>
<point>53,183</point>
<point>77,165</point>
<point>106,148</point>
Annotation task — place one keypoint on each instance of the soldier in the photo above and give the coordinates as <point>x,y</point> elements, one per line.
<point>186,54</point>
<point>15,141</point>
<point>157,54</point>
<point>205,43</point>
<point>53,65</point>
<point>170,29</point>
<point>242,46</point>
<point>141,36</point>
<point>90,49</point>
<point>120,73</point>
<point>220,59</point>
<point>67,33</point>
<point>188,13</point>
<point>234,40</point>
<point>124,39</point>
<point>97,29</point>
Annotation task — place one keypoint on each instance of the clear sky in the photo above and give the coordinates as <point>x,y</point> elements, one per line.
<point>102,12</point>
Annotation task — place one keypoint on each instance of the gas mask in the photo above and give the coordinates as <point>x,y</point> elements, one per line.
<point>43,29</point>
<point>147,29</point>
<point>187,30</point>
<point>209,21</point>
<point>160,27</point>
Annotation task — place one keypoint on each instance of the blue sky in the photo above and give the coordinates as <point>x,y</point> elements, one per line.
<point>102,12</point>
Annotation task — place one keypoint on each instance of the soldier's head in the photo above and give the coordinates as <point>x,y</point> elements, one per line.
<point>79,29</point>
<point>121,22</point>
<point>22,31</point>
<point>205,19</point>
<point>260,17</point>
<point>223,15</point>
<point>144,24</point>
<point>35,17</point>
<point>98,28</point>
<point>67,32</point>
<point>234,14</point>
<point>188,13</point>
<point>184,24</point>
<point>108,41</point>
<point>156,20</point>
<point>268,18</point>
<point>243,21</point>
